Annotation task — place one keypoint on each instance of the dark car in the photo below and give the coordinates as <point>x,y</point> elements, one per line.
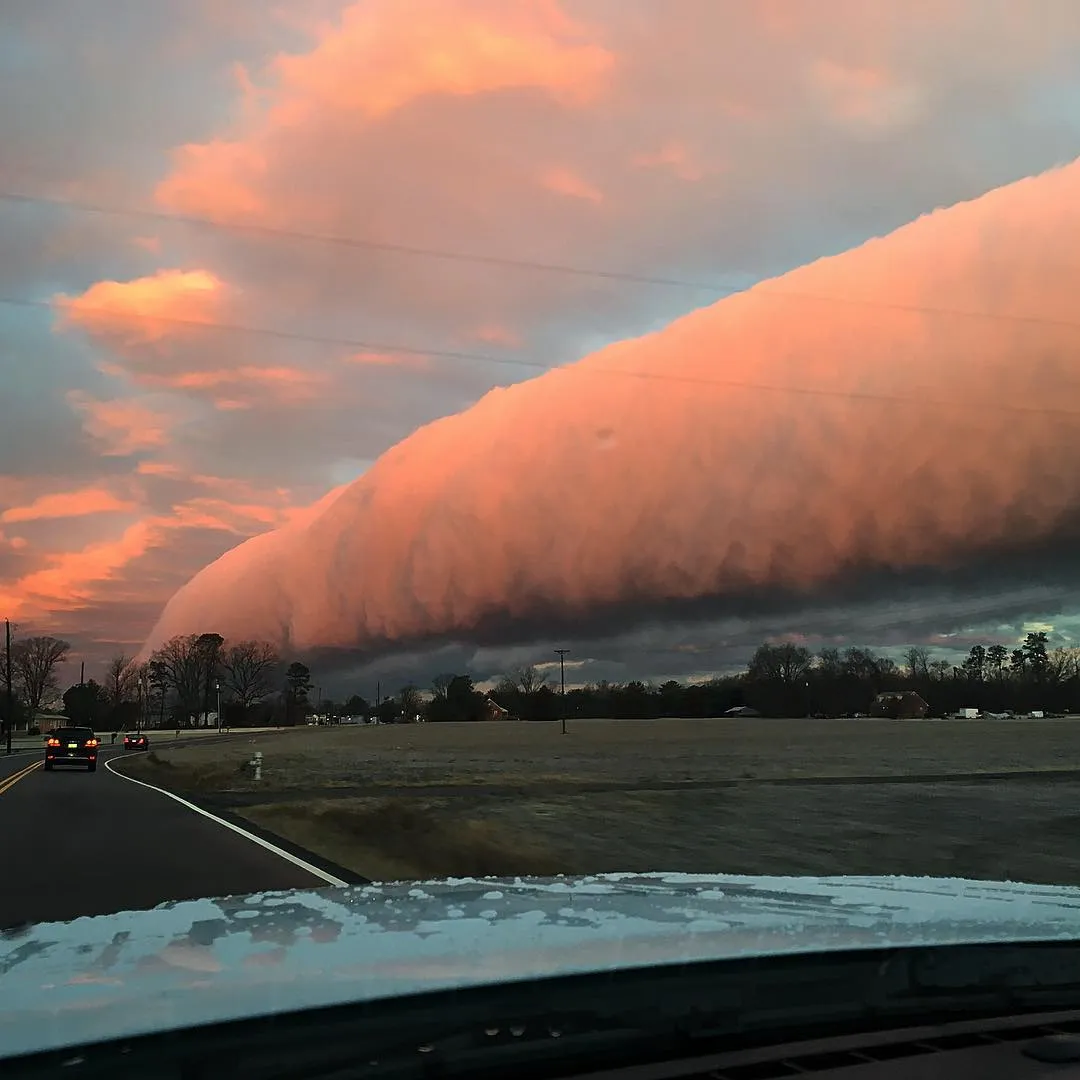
<point>136,740</point>
<point>72,746</point>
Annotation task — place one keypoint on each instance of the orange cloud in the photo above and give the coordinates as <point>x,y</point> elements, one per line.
<point>66,504</point>
<point>206,513</point>
<point>75,581</point>
<point>234,490</point>
<point>496,334</point>
<point>124,425</point>
<point>247,384</point>
<point>147,309</point>
<point>217,178</point>
<point>167,307</point>
<point>445,47</point>
<point>159,468</point>
<point>72,580</point>
<point>742,447</point>
<point>564,181</point>
<point>439,48</point>
<point>292,378</point>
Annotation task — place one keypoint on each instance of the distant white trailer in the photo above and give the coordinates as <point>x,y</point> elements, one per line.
<point>969,714</point>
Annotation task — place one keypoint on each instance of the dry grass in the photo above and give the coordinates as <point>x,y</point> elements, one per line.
<point>741,796</point>
<point>627,753</point>
<point>392,839</point>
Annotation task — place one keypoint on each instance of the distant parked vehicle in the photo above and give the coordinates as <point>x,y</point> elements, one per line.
<point>136,740</point>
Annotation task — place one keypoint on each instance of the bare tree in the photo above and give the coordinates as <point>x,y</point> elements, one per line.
<point>121,679</point>
<point>178,666</point>
<point>36,660</point>
<point>440,686</point>
<point>829,664</point>
<point>250,670</point>
<point>1062,664</point>
<point>918,662</point>
<point>939,669</point>
<point>528,680</point>
<point>784,663</point>
<point>410,701</point>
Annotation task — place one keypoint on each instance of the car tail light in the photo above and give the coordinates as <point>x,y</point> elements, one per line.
<point>91,742</point>
<point>53,742</point>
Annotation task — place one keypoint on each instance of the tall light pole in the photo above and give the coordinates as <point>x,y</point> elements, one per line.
<point>217,686</point>
<point>7,675</point>
<point>562,682</point>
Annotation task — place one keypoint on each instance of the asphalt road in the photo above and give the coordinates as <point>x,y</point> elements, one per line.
<point>75,843</point>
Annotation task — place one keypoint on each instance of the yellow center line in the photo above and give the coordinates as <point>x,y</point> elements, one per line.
<point>10,781</point>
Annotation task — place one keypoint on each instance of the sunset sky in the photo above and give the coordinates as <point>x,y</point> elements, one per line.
<point>249,247</point>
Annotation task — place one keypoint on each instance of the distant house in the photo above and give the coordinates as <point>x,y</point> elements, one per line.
<point>899,705</point>
<point>494,711</point>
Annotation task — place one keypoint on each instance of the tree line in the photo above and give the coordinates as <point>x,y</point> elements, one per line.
<point>787,679</point>
<point>183,683</point>
<point>194,677</point>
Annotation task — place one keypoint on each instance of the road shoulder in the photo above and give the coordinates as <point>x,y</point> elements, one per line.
<point>314,863</point>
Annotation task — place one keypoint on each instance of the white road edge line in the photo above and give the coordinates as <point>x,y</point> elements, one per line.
<point>330,879</point>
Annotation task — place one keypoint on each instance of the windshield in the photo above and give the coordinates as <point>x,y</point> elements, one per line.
<point>534,437</point>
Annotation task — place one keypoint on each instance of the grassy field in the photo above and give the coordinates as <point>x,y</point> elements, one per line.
<point>991,799</point>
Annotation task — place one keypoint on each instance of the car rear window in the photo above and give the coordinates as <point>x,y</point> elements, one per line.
<point>74,734</point>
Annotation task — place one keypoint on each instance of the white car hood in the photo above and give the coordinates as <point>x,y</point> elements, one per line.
<point>194,962</point>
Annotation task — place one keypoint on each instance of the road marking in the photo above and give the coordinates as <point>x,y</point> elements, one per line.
<point>19,753</point>
<point>10,781</point>
<point>330,879</point>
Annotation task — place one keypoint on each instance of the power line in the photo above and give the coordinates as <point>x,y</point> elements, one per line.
<point>760,289</point>
<point>269,232</point>
<point>363,345</point>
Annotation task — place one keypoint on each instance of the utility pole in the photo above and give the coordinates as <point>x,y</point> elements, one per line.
<point>10,718</point>
<point>562,680</point>
<point>82,673</point>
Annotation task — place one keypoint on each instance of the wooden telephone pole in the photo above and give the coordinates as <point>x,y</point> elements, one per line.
<point>562,681</point>
<point>10,703</point>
